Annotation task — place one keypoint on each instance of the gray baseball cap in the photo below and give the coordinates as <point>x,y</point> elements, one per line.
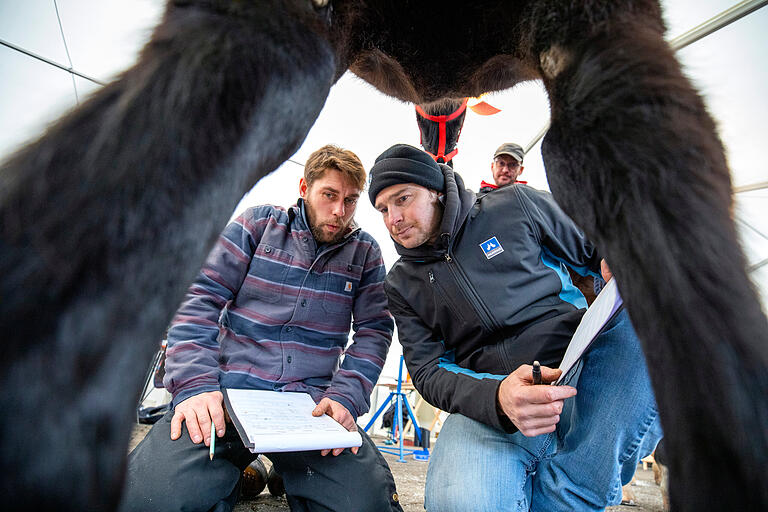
<point>511,149</point>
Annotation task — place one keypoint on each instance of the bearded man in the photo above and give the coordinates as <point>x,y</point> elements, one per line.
<point>271,309</point>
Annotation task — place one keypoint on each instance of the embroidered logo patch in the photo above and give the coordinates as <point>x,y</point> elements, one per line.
<point>348,286</point>
<point>491,247</point>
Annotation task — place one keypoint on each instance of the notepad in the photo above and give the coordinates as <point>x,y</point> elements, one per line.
<point>273,421</point>
<point>603,309</point>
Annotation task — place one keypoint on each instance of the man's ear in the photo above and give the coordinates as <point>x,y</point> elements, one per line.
<point>521,170</point>
<point>303,188</point>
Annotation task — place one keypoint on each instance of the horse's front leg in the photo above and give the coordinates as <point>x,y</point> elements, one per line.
<point>105,220</point>
<point>634,158</point>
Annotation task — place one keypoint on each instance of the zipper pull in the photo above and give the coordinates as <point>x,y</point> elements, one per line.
<point>431,277</point>
<point>448,257</point>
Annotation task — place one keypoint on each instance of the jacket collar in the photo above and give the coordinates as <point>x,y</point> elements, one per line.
<point>458,202</point>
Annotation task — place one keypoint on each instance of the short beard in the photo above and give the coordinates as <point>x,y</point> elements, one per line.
<point>317,232</point>
<point>321,237</point>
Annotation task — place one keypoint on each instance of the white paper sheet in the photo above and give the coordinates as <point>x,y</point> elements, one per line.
<point>272,421</point>
<point>606,304</point>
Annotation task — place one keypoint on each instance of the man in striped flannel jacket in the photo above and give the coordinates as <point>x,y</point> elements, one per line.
<point>271,309</point>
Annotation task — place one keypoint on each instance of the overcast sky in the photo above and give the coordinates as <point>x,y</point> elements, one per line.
<point>103,37</point>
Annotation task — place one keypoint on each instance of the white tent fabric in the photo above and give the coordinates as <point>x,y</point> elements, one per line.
<point>104,36</point>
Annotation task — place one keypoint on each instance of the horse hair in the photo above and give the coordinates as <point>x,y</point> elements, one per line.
<point>106,218</point>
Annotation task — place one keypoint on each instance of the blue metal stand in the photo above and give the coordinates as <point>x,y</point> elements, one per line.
<point>397,421</point>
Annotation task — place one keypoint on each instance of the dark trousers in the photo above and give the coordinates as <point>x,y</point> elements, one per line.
<point>165,475</point>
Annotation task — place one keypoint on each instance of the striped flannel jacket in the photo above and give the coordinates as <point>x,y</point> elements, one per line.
<point>270,311</point>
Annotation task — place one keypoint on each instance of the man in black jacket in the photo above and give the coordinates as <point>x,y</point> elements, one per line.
<point>479,292</point>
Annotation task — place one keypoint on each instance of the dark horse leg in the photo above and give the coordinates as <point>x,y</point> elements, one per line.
<point>634,158</point>
<point>105,220</point>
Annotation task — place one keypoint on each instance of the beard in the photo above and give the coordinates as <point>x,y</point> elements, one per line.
<point>316,226</point>
<point>326,238</point>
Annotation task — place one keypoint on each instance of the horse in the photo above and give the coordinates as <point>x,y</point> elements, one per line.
<point>106,218</point>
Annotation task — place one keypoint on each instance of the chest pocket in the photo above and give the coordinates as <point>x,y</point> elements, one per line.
<point>445,299</point>
<point>341,283</point>
<point>266,274</point>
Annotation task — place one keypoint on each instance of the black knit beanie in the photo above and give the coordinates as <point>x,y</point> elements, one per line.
<point>404,164</point>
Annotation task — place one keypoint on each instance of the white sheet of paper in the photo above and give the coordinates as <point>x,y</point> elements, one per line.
<point>608,301</point>
<point>274,421</point>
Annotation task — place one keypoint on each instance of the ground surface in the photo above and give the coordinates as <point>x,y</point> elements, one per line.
<point>411,475</point>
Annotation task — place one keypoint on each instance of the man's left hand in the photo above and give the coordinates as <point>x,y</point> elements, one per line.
<point>605,271</point>
<point>339,413</point>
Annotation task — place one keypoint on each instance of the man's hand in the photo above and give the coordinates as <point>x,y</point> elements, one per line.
<point>198,411</point>
<point>533,409</point>
<point>605,271</point>
<point>340,413</point>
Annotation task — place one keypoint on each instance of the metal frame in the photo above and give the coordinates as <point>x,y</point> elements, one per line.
<point>397,421</point>
<point>701,31</point>
<point>51,62</point>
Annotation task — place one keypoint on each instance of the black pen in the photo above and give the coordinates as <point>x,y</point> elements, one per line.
<point>536,373</point>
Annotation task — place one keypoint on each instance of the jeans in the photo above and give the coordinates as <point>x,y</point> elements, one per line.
<point>603,433</point>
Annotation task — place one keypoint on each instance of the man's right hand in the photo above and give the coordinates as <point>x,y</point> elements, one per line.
<point>198,411</point>
<point>534,409</point>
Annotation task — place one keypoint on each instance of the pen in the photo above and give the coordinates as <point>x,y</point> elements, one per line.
<point>213,439</point>
<point>536,373</point>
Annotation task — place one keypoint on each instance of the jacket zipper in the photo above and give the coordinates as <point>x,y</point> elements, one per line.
<point>470,293</point>
<point>441,291</point>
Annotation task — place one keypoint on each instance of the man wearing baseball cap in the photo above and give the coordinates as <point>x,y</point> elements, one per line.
<point>480,291</point>
<point>506,167</point>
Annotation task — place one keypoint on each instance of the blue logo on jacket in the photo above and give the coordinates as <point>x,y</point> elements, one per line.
<point>491,247</point>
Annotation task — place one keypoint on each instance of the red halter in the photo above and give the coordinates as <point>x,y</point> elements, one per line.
<point>441,121</point>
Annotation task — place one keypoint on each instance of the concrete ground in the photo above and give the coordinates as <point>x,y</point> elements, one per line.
<point>411,475</point>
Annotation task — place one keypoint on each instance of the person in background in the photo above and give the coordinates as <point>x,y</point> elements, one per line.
<point>506,167</point>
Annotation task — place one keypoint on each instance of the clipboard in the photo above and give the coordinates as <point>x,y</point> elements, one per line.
<point>274,421</point>
<point>604,308</point>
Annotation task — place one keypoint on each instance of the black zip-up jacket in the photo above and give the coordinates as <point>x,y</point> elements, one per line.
<point>492,293</point>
